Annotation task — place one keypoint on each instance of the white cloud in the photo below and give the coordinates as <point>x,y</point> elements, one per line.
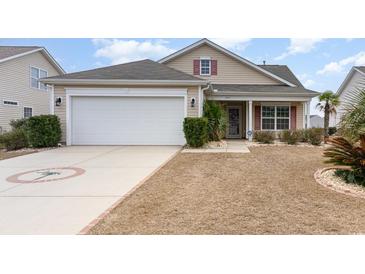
<point>336,67</point>
<point>305,79</point>
<point>123,51</point>
<point>299,46</point>
<point>308,83</point>
<point>233,43</point>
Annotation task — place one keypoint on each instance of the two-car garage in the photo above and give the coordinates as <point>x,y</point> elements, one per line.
<point>125,117</point>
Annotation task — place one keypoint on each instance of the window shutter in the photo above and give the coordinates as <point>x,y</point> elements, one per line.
<point>196,67</point>
<point>293,117</point>
<point>257,117</point>
<point>214,67</point>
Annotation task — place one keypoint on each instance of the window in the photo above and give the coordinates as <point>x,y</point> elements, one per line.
<point>28,112</point>
<point>275,117</point>
<point>205,66</point>
<point>10,103</point>
<point>268,117</point>
<point>35,75</point>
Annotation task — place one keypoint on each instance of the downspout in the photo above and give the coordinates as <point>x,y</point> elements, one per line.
<point>201,97</point>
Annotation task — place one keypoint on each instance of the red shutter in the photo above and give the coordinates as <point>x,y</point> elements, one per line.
<point>293,117</point>
<point>214,67</point>
<point>196,67</point>
<point>257,117</point>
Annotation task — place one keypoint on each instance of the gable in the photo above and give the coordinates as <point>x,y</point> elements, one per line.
<point>229,69</point>
<point>357,80</point>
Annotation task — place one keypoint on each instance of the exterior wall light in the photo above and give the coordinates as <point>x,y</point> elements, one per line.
<point>58,101</point>
<point>192,102</point>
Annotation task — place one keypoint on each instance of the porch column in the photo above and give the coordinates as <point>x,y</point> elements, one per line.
<point>246,117</point>
<point>304,106</point>
<point>308,114</point>
<point>250,132</point>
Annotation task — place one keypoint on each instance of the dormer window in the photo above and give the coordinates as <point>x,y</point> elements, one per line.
<point>205,66</point>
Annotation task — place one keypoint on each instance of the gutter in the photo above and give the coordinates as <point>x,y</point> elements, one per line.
<point>276,94</point>
<point>122,82</point>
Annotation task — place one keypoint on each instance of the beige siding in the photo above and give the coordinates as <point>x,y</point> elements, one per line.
<point>60,111</point>
<point>230,70</point>
<point>15,86</point>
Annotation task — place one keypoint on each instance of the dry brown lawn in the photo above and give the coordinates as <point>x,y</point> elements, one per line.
<point>268,191</point>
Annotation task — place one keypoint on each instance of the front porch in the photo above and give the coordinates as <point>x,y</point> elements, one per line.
<point>246,116</point>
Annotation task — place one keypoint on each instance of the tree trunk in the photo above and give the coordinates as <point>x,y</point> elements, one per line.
<point>362,141</point>
<point>326,122</point>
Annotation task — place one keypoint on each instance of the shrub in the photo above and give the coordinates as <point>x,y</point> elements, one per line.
<point>264,137</point>
<point>351,177</point>
<point>196,131</point>
<point>315,136</point>
<point>344,153</point>
<point>290,137</point>
<point>303,135</point>
<point>19,123</point>
<point>43,131</point>
<point>332,130</point>
<point>217,120</point>
<point>13,140</point>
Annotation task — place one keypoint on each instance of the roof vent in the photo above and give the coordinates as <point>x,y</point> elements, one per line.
<point>264,62</point>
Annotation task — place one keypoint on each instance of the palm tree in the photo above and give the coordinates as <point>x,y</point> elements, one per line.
<point>328,101</point>
<point>349,148</point>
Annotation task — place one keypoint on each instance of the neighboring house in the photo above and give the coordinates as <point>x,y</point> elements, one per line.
<point>145,102</point>
<point>21,92</point>
<point>316,121</point>
<point>354,80</point>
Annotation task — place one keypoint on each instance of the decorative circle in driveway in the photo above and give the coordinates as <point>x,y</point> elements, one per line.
<point>46,175</point>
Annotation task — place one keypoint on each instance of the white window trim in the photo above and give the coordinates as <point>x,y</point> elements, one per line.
<point>275,117</point>
<point>39,83</point>
<point>17,103</point>
<point>210,66</point>
<point>24,111</point>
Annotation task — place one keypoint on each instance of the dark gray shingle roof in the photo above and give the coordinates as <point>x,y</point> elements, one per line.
<point>139,70</point>
<point>283,72</point>
<point>8,51</point>
<point>263,88</point>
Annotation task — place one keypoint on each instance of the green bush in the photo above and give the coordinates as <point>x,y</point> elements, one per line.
<point>303,135</point>
<point>290,137</point>
<point>196,131</point>
<point>315,136</point>
<point>352,176</point>
<point>332,130</point>
<point>43,131</point>
<point>13,140</point>
<point>264,137</point>
<point>217,120</point>
<point>19,123</point>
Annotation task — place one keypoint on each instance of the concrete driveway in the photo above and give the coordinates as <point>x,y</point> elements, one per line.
<point>61,191</point>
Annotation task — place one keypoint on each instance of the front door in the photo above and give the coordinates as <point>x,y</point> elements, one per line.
<point>234,122</point>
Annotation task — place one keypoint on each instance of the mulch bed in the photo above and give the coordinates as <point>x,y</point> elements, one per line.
<point>271,190</point>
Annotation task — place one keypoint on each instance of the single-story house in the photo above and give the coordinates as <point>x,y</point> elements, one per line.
<point>354,81</point>
<point>145,102</point>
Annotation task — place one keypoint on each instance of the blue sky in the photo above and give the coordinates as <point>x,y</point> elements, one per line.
<point>321,64</point>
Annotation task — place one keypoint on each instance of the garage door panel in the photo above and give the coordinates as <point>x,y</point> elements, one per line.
<point>127,120</point>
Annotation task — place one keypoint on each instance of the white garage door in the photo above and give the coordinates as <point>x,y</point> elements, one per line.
<point>127,121</point>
